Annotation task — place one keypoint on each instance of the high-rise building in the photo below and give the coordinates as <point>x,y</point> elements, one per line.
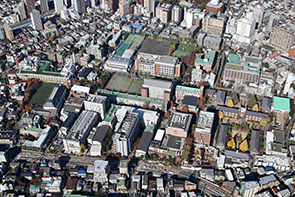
<point>8,32</point>
<point>202,133</point>
<point>273,20</point>
<point>58,5</point>
<point>36,20</point>
<point>79,6</point>
<point>30,5</point>
<point>245,29</point>
<point>44,6</point>
<point>124,7</point>
<point>282,37</point>
<point>93,3</point>
<point>109,5</point>
<point>214,26</point>
<point>214,6</point>
<point>163,12</point>
<point>21,9</point>
<point>258,13</point>
<point>176,14</point>
<point>127,134</point>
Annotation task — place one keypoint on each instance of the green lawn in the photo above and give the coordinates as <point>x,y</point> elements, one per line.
<point>43,91</point>
<point>183,49</point>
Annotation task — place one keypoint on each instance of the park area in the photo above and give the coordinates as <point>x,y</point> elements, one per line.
<point>124,84</point>
<point>42,93</point>
<point>183,49</point>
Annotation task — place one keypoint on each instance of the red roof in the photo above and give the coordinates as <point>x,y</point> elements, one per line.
<point>275,54</point>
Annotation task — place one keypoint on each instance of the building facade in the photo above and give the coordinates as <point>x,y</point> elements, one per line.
<point>156,88</point>
<point>282,38</point>
<point>202,133</point>
<point>181,91</point>
<point>96,103</point>
<point>178,124</point>
<point>36,20</point>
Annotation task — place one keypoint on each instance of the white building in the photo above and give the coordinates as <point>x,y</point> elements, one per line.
<point>176,14</point>
<point>97,140</point>
<point>58,5</point>
<point>101,170</point>
<point>79,132</point>
<point>245,29</point>
<point>69,70</point>
<point>258,13</point>
<point>118,64</point>
<point>156,88</point>
<point>163,12</point>
<point>41,142</point>
<point>126,134</point>
<point>95,50</point>
<point>65,14</point>
<point>231,26</point>
<point>249,188</point>
<point>36,20</point>
<point>96,103</point>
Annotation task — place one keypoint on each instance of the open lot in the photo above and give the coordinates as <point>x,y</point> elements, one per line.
<point>124,84</point>
<point>43,91</point>
<point>156,47</point>
<point>183,49</point>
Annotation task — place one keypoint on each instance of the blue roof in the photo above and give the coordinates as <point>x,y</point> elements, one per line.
<point>82,171</point>
<point>32,187</point>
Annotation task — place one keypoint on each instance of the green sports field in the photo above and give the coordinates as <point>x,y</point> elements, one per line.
<point>124,84</point>
<point>134,40</point>
<point>42,93</point>
<point>183,49</point>
<point>122,48</point>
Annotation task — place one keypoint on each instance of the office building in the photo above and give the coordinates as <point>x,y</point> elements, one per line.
<point>95,50</point>
<point>178,124</point>
<point>41,141</point>
<point>158,65</point>
<point>214,6</point>
<point>126,134</point>
<point>258,13</point>
<point>109,5</point>
<point>8,32</point>
<point>273,20</point>
<point>268,181</point>
<point>239,72</point>
<point>176,14</point>
<point>249,188</point>
<point>124,7</point>
<point>44,6</point>
<point>58,5</point>
<point>202,133</point>
<point>79,132</point>
<point>55,98</point>
<point>245,29</point>
<point>36,20</point>
<point>93,3</point>
<point>156,88</point>
<point>182,91</point>
<point>282,37</point>
<point>98,140</point>
<point>30,5</point>
<point>79,6</point>
<point>21,9</point>
<point>96,103</point>
<point>214,26</point>
<point>212,42</point>
<point>163,12</point>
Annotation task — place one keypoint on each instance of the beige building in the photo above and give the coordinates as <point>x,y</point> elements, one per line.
<point>282,38</point>
<point>124,7</point>
<point>213,26</point>
<point>8,32</point>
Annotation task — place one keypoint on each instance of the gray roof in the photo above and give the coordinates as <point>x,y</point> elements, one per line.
<point>236,154</point>
<point>227,109</point>
<point>173,142</point>
<point>70,120</point>
<point>101,133</point>
<point>84,72</point>
<point>145,141</point>
<point>267,179</point>
<point>257,114</point>
<point>221,96</point>
<point>190,100</point>
<point>56,95</point>
<point>158,83</point>
<point>222,135</point>
<point>279,136</point>
<point>252,60</point>
<point>254,143</point>
<point>119,61</point>
<point>266,103</point>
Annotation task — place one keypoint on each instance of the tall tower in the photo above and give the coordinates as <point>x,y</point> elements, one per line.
<point>8,32</point>
<point>58,5</point>
<point>21,9</point>
<point>30,5</point>
<point>44,6</point>
<point>93,3</point>
<point>36,20</point>
<point>79,6</point>
<point>176,14</point>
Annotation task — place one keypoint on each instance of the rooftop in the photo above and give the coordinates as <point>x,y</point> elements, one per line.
<point>208,60</point>
<point>280,103</point>
<point>179,120</point>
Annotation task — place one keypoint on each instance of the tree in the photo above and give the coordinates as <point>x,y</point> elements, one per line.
<point>68,85</point>
<point>252,101</point>
<point>230,103</point>
<point>255,108</point>
<point>244,146</point>
<point>82,148</point>
<point>220,114</point>
<point>231,144</point>
<point>184,109</point>
<point>263,122</point>
<point>167,114</point>
<point>235,99</point>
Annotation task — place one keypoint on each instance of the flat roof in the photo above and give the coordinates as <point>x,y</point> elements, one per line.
<point>209,58</point>
<point>281,103</point>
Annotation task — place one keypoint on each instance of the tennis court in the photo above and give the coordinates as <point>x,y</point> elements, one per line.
<point>183,49</point>
<point>122,48</point>
<point>135,40</point>
<point>124,84</point>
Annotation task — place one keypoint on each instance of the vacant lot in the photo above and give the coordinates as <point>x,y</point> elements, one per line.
<point>156,47</point>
